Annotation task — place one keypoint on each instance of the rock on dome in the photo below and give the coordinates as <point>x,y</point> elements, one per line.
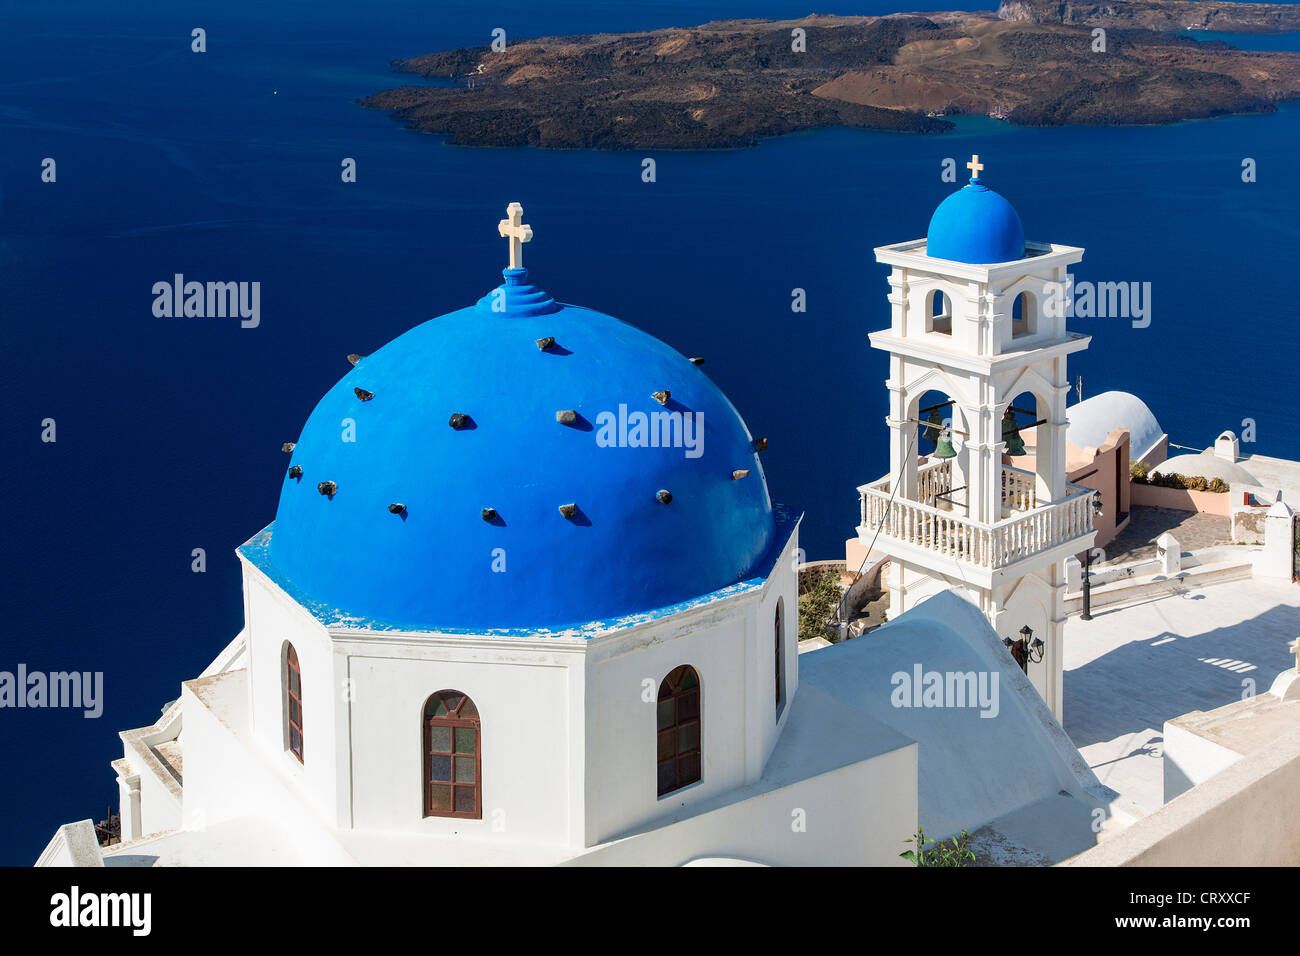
<point>975,225</point>
<point>445,561</point>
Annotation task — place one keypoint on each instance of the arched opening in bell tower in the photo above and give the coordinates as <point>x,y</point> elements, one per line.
<point>938,312</point>
<point>1024,315</point>
<point>1026,477</point>
<point>941,433</point>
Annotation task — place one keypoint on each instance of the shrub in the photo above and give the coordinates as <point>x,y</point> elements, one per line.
<point>1188,482</point>
<point>1138,472</point>
<point>817,606</point>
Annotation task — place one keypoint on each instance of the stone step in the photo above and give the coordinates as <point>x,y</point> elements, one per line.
<point>1128,589</point>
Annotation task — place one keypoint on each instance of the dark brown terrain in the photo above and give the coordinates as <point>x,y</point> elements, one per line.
<point>1170,15</point>
<point>727,84</point>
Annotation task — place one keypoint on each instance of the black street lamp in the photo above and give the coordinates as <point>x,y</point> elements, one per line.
<point>1028,649</point>
<point>1087,567</point>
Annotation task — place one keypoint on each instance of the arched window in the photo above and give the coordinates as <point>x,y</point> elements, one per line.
<point>452,757</point>
<point>293,701</point>
<point>780,655</point>
<point>679,729</point>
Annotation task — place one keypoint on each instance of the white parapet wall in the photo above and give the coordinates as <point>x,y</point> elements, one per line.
<point>1191,759</point>
<point>149,776</point>
<point>1199,745</point>
<point>1242,816</point>
<point>775,826</point>
<point>148,782</point>
<point>74,844</point>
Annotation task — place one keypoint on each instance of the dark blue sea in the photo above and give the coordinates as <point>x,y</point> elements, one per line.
<point>225,166</point>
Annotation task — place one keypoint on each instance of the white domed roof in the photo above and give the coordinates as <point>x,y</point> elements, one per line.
<point>1093,419</point>
<point>1205,465</point>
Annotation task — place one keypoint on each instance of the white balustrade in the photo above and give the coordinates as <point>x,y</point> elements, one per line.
<point>934,478</point>
<point>1019,489</point>
<point>922,525</point>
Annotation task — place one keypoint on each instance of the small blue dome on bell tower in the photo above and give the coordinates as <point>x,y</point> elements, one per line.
<point>975,225</point>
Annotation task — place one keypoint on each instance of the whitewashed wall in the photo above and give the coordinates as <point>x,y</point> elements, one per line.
<point>272,618</point>
<point>730,645</point>
<point>530,736</point>
<point>568,740</point>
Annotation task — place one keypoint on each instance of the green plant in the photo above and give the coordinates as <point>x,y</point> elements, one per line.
<point>1167,480</point>
<point>1183,482</point>
<point>1138,472</point>
<point>953,853</point>
<point>817,606</point>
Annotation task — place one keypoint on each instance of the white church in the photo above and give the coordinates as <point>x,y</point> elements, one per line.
<point>526,600</point>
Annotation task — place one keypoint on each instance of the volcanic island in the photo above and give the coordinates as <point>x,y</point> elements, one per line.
<point>730,83</point>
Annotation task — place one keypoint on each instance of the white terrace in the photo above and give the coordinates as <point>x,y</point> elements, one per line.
<point>933,531</point>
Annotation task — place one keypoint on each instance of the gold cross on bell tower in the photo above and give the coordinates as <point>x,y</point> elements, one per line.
<point>514,229</point>
<point>975,166</point>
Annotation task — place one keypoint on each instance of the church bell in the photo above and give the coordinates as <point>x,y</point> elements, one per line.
<point>1011,434</point>
<point>934,428</point>
<point>943,447</point>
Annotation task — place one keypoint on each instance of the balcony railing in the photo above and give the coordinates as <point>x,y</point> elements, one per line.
<point>1032,530</point>
<point>933,478</point>
<point>1019,489</point>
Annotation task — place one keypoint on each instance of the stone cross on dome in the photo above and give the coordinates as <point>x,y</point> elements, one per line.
<point>975,166</point>
<point>514,229</point>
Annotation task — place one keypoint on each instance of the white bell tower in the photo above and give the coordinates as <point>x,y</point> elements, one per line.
<point>976,316</point>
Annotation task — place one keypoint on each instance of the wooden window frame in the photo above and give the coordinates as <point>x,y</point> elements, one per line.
<point>779,637</point>
<point>670,689</point>
<point>293,667</point>
<point>452,720</point>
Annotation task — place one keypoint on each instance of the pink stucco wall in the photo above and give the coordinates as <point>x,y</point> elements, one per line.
<point>1205,502</point>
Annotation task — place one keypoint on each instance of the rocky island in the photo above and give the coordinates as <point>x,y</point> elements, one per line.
<point>727,84</point>
<point>1160,15</point>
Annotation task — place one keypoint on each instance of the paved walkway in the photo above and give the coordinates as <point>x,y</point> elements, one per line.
<point>1131,668</point>
<point>1193,531</point>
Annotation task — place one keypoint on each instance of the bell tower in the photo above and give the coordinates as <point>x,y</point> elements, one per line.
<point>978,325</point>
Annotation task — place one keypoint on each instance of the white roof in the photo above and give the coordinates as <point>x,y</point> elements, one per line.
<point>972,770</point>
<point>1206,465</point>
<point>1094,418</point>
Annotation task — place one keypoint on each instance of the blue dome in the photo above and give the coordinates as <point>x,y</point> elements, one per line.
<point>977,226</point>
<point>447,562</point>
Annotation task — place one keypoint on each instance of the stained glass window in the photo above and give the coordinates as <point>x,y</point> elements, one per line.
<point>678,717</point>
<point>453,764</point>
<point>293,701</point>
